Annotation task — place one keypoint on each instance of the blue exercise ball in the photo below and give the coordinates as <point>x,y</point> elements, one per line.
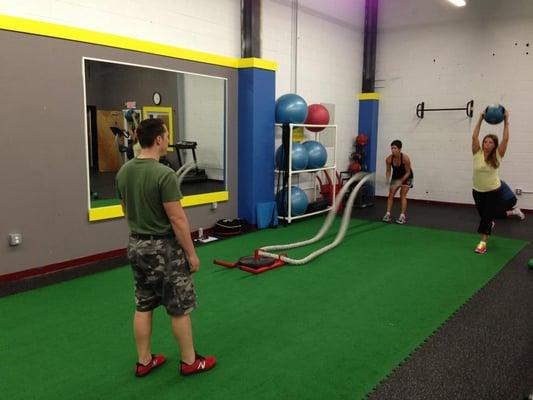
<point>299,157</point>
<point>291,108</point>
<point>494,114</point>
<point>130,115</point>
<point>317,154</point>
<point>299,202</point>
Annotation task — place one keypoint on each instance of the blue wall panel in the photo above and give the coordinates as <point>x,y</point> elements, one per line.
<point>256,140</point>
<point>368,124</point>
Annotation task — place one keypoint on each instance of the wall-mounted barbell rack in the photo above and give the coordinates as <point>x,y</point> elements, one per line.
<point>420,109</point>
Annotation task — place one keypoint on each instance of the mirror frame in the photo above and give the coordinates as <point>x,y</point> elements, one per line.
<point>116,211</point>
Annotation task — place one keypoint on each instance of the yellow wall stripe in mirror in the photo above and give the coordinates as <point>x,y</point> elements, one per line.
<point>106,39</point>
<point>102,213</point>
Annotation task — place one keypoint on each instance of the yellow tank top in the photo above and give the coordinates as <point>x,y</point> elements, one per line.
<point>486,178</point>
<point>136,149</point>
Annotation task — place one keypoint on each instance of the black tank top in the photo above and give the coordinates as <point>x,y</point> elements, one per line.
<point>399,171</point>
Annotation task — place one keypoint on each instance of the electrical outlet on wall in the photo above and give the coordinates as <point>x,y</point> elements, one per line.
<point>518,191</point>
<point>15,239</point>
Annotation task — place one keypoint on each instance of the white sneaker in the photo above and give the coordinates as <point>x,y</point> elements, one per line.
<point>386,217</point>
<point>401,219</point>
<point>518,212</point>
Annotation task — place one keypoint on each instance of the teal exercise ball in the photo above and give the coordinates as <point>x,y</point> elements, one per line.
<point>299,201</point>
<point>299,157</point>
<point>291,109</point>
<point>494,114</point>
<point>530,263</point>
<point>317,154</point>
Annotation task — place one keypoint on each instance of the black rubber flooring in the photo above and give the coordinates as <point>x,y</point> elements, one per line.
<point>485,350</point>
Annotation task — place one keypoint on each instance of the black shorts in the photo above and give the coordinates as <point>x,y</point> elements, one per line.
<point>394,183</point>
<point>162,276</point>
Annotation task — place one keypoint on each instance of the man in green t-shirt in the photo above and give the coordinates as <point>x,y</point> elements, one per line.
<point>160,250</point>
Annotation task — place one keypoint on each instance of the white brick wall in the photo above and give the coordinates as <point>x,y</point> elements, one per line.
<point>329,61</point>
<point>329,48</point>
<point>203,25</point>
<point>446,64</point>
<point>413,34</point>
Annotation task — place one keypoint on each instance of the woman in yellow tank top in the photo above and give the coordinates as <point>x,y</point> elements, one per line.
<point>486,180</point>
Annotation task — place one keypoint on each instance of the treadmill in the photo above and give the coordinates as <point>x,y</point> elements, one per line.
<point>196,174</point>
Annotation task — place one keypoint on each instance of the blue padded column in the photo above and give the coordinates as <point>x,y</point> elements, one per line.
<point>368,124</point>
<point>256,140</point>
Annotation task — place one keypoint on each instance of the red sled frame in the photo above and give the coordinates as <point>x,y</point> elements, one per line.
<point>277,263</point>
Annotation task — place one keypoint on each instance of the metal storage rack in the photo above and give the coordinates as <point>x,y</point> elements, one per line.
<point>328,167</point>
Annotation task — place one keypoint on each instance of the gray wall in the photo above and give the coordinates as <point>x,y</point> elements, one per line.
<point>43,184</point>
<point>109,86</point>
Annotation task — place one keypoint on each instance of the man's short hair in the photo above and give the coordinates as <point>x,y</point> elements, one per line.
<point>397,143</point>
<point>148,130</point>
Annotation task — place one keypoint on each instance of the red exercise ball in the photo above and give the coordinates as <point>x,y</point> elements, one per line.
<point>317,114</point>
<point>354,167</point>
<point>361,139</point>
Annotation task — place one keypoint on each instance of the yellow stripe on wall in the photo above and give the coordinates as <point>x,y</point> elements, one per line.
<point>23,25</point>
<point>257,63</point>
<point>205,198</point>
<point>101,213</point>
<point>109,212</point>
<point>369,96</point>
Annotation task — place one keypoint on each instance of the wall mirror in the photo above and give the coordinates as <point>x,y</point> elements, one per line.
<point>117,95</point>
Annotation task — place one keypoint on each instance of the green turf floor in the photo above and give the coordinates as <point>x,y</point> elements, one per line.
<point>332,329</point>
<point>104,203</point>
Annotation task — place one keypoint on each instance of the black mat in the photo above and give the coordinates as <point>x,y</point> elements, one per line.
<point>485,351</point>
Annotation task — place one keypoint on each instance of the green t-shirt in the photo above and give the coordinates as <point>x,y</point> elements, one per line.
<point>143,185</point>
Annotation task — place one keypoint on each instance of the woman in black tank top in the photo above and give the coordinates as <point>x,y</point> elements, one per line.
<point>402,178</point>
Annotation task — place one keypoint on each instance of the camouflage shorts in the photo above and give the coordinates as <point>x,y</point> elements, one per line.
<point>162,276</point>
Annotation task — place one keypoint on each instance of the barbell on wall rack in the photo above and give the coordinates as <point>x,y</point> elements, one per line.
<point>420,109</point>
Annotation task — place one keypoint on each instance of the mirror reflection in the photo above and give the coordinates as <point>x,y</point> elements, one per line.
<point>119,96</point>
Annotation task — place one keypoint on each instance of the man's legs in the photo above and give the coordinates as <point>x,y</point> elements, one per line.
<point>142,330</point>
<point>191,362</point>
<point>182,329</point>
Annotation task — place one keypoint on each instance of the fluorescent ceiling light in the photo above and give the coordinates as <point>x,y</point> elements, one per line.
<point>458,3</point>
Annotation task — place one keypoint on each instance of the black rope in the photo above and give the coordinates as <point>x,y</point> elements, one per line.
<point>283,166</point>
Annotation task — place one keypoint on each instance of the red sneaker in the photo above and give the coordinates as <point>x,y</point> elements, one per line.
<point>201,364</point>
<point>156,361</point>
<point>481,248</point>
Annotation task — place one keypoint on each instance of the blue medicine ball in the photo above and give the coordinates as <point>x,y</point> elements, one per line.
<point>299,201</point>
<point>299,157</point>
<point>291,108</point>
<point>494,114</point>
<point>317,154</point>
<point>130,115</point>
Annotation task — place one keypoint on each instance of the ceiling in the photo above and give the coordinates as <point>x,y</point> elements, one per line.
<point>401,13</point>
